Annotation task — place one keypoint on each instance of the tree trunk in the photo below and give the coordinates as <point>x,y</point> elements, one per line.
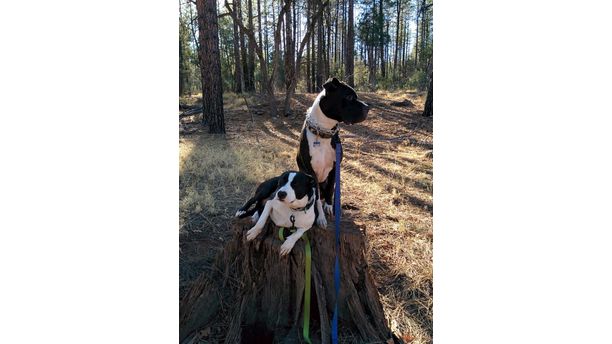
<point>251,56</point>
<point>210,66</point>
<point>243,47</point>
<point>266,45</point>
<point>381,47</point>
<point>238,74</point>
<point>261,294</point>
<point>398,29</point>
<point>296,70</point>
<point>428,111</point>
<point>350,47</point>
<point>320,52</point>
<point>308,79</point>
<point>260,31</point>
<point>289,56</point>
<point>183,65</point>
<point>416,44</point>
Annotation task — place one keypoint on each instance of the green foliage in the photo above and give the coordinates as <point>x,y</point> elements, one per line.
<point>189,71</point>
<point>418,80</point>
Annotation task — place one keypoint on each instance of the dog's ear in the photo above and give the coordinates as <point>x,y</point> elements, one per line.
<point>331,84</point>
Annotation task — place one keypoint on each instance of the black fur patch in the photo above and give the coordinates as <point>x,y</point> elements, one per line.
<point>341,104</point>
<point>302,184</point>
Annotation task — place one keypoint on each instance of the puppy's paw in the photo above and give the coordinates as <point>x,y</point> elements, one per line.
<point>328,208</point>
<point>240,212</point>
<point>253,233</point>
<point>255,217</point>
<point>321,221</point>
<point>286,247</point>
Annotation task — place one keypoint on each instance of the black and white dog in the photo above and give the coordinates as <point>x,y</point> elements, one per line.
<point>288,200</point>
<point>317,153</point>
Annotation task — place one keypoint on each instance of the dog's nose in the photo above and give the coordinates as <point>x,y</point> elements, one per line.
<point>281,195</point>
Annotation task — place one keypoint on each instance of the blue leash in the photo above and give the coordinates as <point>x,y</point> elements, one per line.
<point>334,329</point>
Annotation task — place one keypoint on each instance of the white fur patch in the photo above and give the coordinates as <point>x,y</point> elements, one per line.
<point>255,217</point>
<point>321,220</point>
<point>287,246</point>
<point>288,189</point>
<point>240,213</point>
<point>329,209</point>
<point>281,216</point>
<point>322,155</point>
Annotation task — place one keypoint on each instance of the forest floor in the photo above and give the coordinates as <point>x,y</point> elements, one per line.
<point>387,190</point>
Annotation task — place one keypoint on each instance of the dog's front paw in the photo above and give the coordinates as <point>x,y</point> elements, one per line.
<point>321,221</point>
<point>253,233</point>
<point>286,247</point>
<point>240,212</point>
<point>328,208</point>
<point>255,217</point>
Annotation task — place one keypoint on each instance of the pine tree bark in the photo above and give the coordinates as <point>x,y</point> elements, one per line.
<point>350,47</point>
<point>381,33</point>
<point>262,293</point>
<point>398,29</point>
<point>251,51</point>
<point>289,57</point>
<point>320,53</point>
<point>416,45</point>
<point>238,73</point>
<point>210,66</point>
<point>183,82</point>
<point>428,110</point>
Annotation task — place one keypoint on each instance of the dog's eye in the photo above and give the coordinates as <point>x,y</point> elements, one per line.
<point>350,97</point>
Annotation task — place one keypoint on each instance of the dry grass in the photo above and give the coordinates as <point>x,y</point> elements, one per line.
<point>386,182</point>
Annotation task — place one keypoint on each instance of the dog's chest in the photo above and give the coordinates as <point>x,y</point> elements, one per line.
<point>322,155</point>
<point>281,216</point>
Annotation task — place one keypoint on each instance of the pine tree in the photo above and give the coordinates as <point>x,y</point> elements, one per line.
<point>210,66</point>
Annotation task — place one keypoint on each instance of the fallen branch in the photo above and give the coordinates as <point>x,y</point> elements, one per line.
<point>191,112</point>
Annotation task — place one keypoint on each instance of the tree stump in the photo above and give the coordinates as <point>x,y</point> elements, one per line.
<point>263,293</point>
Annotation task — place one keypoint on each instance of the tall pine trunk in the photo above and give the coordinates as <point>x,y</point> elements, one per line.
<point>251,57</point>
<point>381,47</point>
<point>398,29</point>
<point>210,66</point>
<point>350,47</point>
<point>260,29</point>
<point>238,74</point>
<point>307,77</point>
<point>289,56</point>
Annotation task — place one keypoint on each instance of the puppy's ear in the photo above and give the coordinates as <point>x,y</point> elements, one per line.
<point>331,84</point>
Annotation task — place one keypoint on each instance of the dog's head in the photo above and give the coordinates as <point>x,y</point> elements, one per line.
<point>295,189</point>
<point>341,104</point>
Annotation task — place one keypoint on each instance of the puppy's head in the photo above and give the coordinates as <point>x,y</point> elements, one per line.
<point>341,104</point>
<point>295,189</point>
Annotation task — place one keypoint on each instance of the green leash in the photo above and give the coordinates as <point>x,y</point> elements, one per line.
<point>306,327</point>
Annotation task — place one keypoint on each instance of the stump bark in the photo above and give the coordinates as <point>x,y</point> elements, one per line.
<point>263,293</point>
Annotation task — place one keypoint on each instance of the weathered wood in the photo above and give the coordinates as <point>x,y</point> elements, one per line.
<point>191,112</point>
<point>428,111</point>
<point>264,292</point>
<point>405,102</point>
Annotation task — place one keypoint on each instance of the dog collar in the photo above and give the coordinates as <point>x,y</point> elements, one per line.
<point>321,132</point>
<point>305,208</point>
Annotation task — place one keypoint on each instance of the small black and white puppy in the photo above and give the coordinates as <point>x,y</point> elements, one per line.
<point>316,156</point>
<point>288,200</point>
